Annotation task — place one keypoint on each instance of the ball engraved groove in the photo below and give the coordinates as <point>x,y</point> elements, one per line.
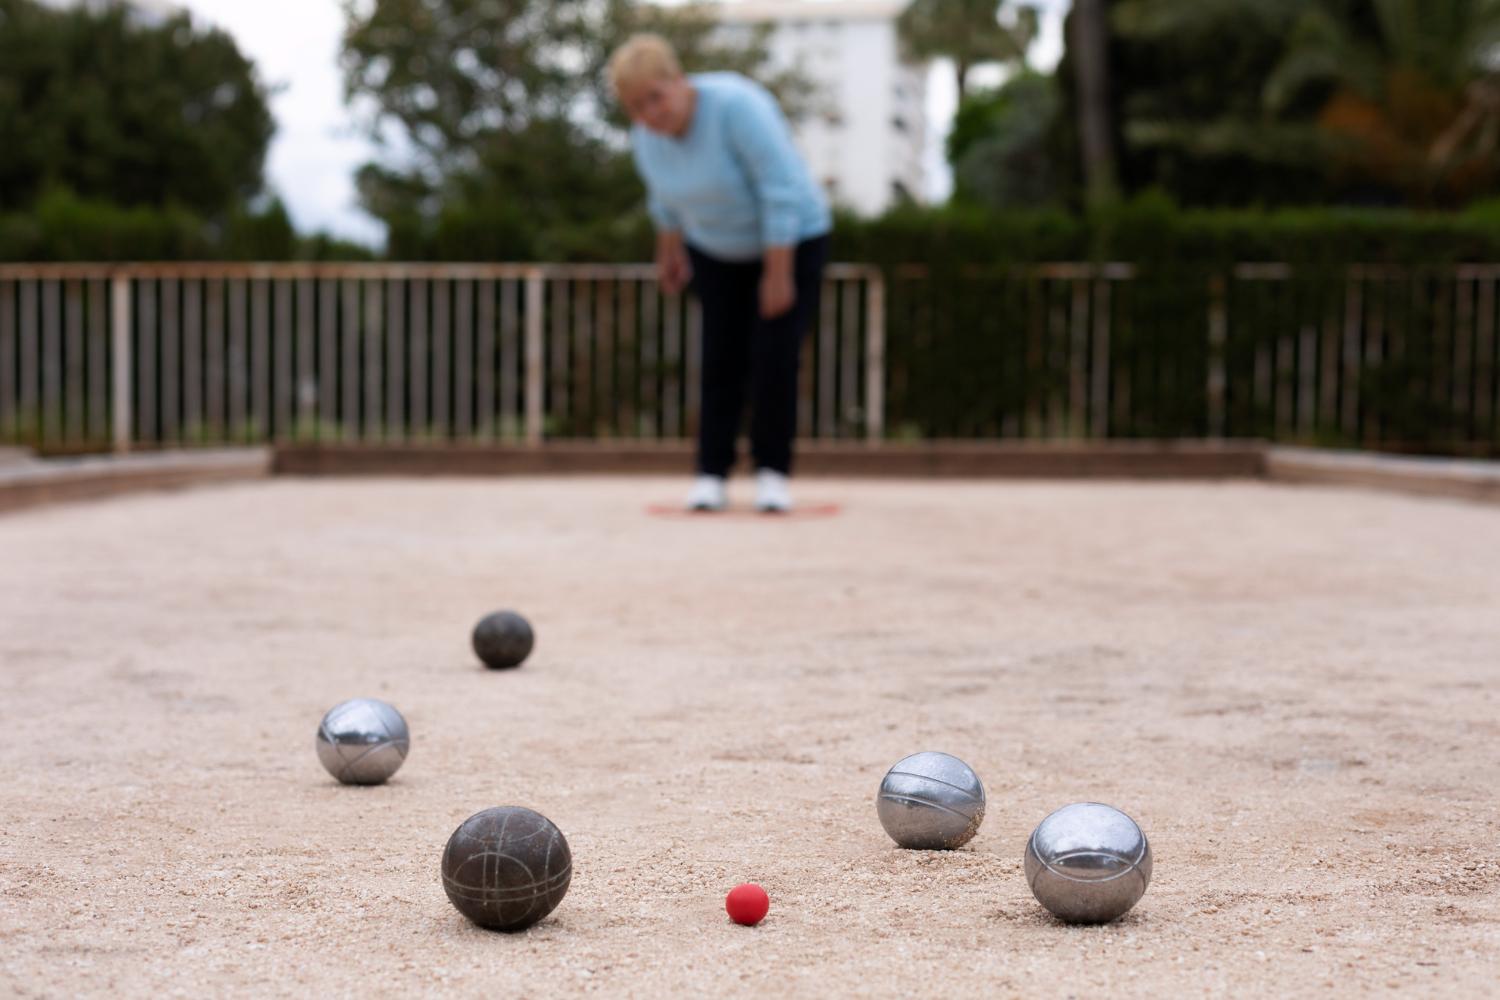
<point>506,868</point>
<point>930,801</point>
<point>1088,863</point>
<point>363,741</point>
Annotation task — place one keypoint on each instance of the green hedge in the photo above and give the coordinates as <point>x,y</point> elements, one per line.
<point>1148,231</point>
<point>1151,230</point>
<point>64,227</point>
<point>986,344</point>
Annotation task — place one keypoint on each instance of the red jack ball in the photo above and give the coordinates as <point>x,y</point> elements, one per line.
<point>747,904</point>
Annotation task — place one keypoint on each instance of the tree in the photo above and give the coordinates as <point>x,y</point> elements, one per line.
<point>1090,33</point>
<point>1410,92</point>
<point>1184,111</point>
<point>1242,102</point>
<point>97,102</point>
<point>496,110</point>
<point>1000,147</point>
<point>970,32</point>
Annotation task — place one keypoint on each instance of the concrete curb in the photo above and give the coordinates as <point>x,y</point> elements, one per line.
<point>942,459</point>
<point>30,484</point>
<point>1464,479</point>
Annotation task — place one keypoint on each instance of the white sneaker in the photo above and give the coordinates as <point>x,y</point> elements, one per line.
<point>772,494</point>
<point>708,494</point>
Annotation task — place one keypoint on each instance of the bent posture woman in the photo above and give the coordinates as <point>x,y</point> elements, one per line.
<point>738,217</point>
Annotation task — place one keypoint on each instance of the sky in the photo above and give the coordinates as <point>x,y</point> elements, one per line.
<point>295,45</point>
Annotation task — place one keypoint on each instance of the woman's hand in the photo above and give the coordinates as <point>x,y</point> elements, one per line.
<point>778,291</point>
<point>673,269</point>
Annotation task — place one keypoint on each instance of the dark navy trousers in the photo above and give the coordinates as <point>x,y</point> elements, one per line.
<point>744,353</point>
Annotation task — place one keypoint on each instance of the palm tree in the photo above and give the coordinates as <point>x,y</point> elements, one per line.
<point>1413,99</point>
<point>969,32</point>
<point>1090,39</point>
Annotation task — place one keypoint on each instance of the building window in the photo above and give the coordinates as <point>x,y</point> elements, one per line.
<point>899,124</point>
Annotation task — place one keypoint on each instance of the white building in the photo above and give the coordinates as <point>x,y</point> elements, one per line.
<point>148,12</point>
<point>865,139</point>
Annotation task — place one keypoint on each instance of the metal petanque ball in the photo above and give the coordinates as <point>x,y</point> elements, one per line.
<point>1088,863</point>
<point>363,741</point>
<point>930,802</point>
<point>506,868</point>
<point>503,639</point>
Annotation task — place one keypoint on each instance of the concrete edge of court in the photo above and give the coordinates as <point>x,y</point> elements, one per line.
<point>1453,478</point>
<point>26,482</point>
<point>29,482</point>
<point>815,459</point>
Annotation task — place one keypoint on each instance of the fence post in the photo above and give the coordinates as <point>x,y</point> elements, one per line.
<point>875,360</point>
<point>536,290</point>
<point>1218,337</point>
<point>1099,382</point>
<point>124,361</point>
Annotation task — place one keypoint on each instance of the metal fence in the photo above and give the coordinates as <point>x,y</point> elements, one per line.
<point>1379,355</point>
<point>219,353</point>
<point>99,356</point>
<point>1019,352</point>
<point>1359,355</point>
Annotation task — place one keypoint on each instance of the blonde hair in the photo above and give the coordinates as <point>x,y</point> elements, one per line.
<point>643,58</point>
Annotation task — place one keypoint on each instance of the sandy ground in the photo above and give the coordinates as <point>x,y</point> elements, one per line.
<point>1292,690</point>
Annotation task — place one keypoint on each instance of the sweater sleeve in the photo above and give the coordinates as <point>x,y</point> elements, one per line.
<point>663,216</point>
<point>762,141</point>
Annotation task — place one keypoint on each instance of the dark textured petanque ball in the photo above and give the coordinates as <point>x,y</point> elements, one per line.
<point>506,868</point>
<point>503,639</point>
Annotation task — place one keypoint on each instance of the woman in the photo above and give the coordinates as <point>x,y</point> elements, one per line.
<point>738,216</point>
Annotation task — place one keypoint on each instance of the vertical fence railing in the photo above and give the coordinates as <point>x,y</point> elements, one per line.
<point>1402,358</point>
<point>1374,355</point>
<point>1025,351</point>
<point>99,357</point>
<point>169,355</point>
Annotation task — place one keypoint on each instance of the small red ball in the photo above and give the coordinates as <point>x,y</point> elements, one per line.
<point>747,904</point>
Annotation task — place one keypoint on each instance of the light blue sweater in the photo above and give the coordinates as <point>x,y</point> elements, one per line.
<point>734,184</point>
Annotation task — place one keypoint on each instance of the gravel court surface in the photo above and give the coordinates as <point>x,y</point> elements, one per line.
<point>1292,690</point>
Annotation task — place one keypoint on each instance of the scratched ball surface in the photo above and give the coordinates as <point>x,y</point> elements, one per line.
<point>1088,863</point>
<point>506,868</point>
<point>503,639</point>
<point>363,741</point>
<point>930,801</point>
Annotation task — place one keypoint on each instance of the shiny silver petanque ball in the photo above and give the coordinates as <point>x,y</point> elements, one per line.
<point>931,802</point>
<point>1088,863</point>
<point>503,639</point>
<point>363,741</point>
<point>506,868</point>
